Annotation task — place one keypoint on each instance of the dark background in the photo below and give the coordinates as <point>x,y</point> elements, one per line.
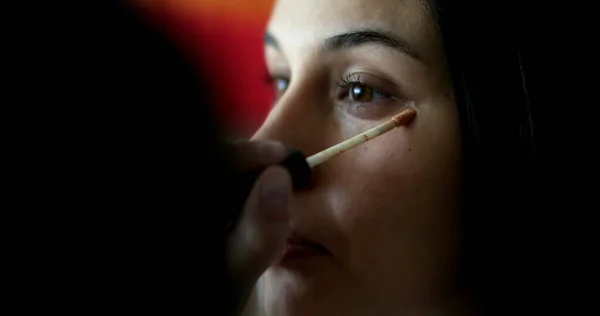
<point>114,202</point>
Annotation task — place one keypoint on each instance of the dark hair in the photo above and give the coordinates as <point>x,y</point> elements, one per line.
<point>489,70</point>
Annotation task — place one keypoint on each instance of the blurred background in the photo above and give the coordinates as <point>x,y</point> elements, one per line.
<point>225,40</point>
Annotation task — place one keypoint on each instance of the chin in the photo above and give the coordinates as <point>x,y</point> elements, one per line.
<point>287,291</point>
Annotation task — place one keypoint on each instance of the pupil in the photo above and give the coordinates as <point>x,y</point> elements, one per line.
<point>358,91</point>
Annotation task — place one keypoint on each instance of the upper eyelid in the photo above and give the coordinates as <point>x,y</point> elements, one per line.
<point>365,76</point>
<point>346,83</point>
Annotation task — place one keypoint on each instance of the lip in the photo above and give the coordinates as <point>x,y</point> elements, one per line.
<point>297,248</point>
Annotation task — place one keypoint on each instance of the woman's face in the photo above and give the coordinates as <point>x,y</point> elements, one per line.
<point>386,211</point>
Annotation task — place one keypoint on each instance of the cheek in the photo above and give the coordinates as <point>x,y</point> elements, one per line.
<point>380,171</point>
<point>397,200</point>
<point>405,176</point>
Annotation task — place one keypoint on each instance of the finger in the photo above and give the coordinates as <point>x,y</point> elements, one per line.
<point>260,236</point>
<point>246,155</point>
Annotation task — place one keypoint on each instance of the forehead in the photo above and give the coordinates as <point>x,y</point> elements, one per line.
<point>306,23</point>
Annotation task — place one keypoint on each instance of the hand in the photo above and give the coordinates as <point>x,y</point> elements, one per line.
<point>259,235</point>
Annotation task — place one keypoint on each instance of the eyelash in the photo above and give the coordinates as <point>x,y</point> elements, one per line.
<point>351,79</point>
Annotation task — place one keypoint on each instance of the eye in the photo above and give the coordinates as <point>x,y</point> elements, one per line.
<point>280,85</point>
<point>367,96</point>
<point>363,93</point>
<point>356,90</point>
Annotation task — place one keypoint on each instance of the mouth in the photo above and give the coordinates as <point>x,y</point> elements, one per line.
<point>301,248</point>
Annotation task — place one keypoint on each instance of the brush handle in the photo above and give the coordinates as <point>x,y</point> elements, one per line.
<point>294,162</point>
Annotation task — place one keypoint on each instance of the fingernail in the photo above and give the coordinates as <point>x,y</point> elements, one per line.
<point>271,152</point>
<point>275,189</point>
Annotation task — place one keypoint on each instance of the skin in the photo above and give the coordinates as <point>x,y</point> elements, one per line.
<point>388,209</point>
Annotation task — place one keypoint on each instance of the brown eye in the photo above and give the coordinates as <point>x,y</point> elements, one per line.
<point>361,93</point>
<point>366,96</point>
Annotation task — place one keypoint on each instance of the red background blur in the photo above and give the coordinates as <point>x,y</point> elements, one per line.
<point>225,39</point>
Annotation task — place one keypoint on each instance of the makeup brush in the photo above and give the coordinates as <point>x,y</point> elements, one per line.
<point>300,167</point>
<point>403,118</point>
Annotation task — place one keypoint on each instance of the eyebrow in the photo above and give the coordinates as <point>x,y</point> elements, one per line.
<point>359,38</point>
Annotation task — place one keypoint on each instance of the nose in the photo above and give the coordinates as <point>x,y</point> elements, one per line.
<point>297,121</point>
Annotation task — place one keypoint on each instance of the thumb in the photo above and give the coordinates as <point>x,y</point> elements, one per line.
<point>261,233</point>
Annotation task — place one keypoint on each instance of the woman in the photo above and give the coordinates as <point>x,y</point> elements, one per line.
<point>387,227</point>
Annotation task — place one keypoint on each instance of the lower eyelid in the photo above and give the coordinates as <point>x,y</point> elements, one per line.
<point>380,106</point>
